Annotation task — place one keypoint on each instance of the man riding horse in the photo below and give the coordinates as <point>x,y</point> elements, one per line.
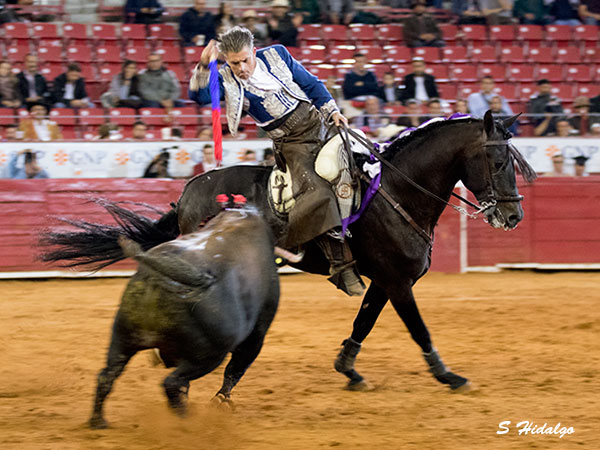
<point>292,106</point>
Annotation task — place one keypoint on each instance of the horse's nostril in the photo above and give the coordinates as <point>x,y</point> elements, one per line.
<point>513,220</point>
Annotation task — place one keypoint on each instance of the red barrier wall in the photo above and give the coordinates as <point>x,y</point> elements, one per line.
<point>561,224</point>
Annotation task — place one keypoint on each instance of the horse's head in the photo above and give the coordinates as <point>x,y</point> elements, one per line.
<point>490,174</point>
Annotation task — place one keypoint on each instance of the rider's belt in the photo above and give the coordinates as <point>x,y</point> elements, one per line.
<point>282,126</point>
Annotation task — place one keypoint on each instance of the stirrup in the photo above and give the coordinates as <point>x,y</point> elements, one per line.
<point>347,279</point>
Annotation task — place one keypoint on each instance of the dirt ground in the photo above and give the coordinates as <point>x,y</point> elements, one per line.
<point>527,341</point>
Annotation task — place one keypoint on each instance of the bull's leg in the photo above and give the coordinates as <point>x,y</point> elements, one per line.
<point>406,307</point>
<point>177,384</point>
<point>118,356</point>
<point>374,301</point>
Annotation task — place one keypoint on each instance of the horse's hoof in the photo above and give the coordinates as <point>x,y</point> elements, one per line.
<point>223,403</point>
<point>462,389</point>
<point>98,423</point>
<point>360,386</point>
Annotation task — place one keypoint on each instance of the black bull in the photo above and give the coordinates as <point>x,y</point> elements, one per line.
<point>196,299</point>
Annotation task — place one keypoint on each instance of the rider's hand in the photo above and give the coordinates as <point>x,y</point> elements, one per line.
<point>209,53</point>
<point>339,119</point>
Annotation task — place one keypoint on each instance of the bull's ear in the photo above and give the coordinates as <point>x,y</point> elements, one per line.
<point>488,123</point>
<point>508,122</point>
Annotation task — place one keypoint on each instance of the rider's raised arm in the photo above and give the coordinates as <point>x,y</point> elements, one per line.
<point>198,88</point>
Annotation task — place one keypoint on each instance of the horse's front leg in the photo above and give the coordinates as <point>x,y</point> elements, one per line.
<point>404,303</point>
<point>374,301</point>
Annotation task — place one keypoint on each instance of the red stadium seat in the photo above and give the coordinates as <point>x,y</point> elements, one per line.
<point>323,71</point>
<point>107,72</point>
<point>551,72</point>
<point>449,33</point>
<point>109,53</point>
<point>389,33</point>
<point>464,73</point>
<point>496,71</point>
<point>153,116</point>
<point>563,91</point>
<point>122,116</point>
<point>185,116</point>
<point>88,73</point>
<point>542,55</point>
<point>335,34</point>
<point>64,116</point>
<point>597,77</point>
<point>502,33</point>
<point>483,53</point>
<point>69,132</point>
<point>79,53</point>
<point>374,53</point>
<point>588,89</point>
<point>448,91</point>
<point>579,72</point>
<point>591,55</point>
<point>190,132</point>
<point>310,34</point>
<point>393,110</point>
<point>163,32</point>
<point>429,54</point>
<point>74,33</point>
<point>314,54</point>
<point>16,32</point>
<point>397,54</point>
<point>137,54</point>
<point>52,70</point>
<point>512,54</point>
<point>191,55</point>
<point>521,72</point>
<point>530,32</point>
<point>50,54</point>
<point>92,116</point>
<point>45,31</point>
<point>106,32</point>
<point>569,55</point>
<point>401,71</point>
<point>169,54</point>
<point>455,54</point>
<point>379,70</point>
<point>467,89</point>
<point>586,33</point>
<point>362,34</point>
<point>133,32</point>
<point>439,71</point>
<point>474,32</point>
<point>180,72</point>
<point>343,69</point>
<point>341,54</point>
<point>527,90</point>
<point>507,90</point>
<point>556,33</point>
<point>7,116</point>
<point>16,53</point>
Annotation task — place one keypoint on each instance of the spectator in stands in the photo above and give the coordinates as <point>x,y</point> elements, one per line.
<point>491,12</point>
<point>143,11</point>
<point>595,129</point>
<point>479,102</point>
<point>9,94</point>
<point>498,111</point>
<point>158,86</point>
<point>390,91</point>
<point>341,11</point>
<point>360,82</point>
<point>411,118</point>
<point>259,30</point>
<point>371,120</point>
<point>38,127</point>
<point>208,160</point>
<point>139,131</point>
<point>205,134</point>
<point>421,29</point>
<point>563,128</point>
<point>196,25</point>
<point>595,109</point>
<point>564,12</point>
<point>434,109</point>
<point>310,10</point>
<point>461,106</point>
<point>580,166</point>
<point>531,12</point>
<point>418,84</point>
<point>283,26</point>
<point>225,19</point>
<point>108,131</point>
<point>558,166</point>
<point>124,88</point>
<point>580,121</point>
<point>334,89</point>
<point>30,168</point>
<point>10,133</point>
<point>546,107</point>
<point>249,156</point>
<point>589,11</point>
<point>68,89</point>
<point>32,84</point>
<point>159,166</point>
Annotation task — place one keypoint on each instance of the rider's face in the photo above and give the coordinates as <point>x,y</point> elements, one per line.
<point>242,63</point>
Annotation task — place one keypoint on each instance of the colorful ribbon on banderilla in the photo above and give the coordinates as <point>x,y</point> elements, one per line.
<point>215,97</point>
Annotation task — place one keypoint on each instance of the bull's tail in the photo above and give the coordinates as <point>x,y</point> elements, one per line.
<point>95,245</point>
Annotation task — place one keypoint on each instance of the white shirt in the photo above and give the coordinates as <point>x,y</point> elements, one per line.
<point>420,91</point>
<point>42,129</point>
<point>70,91</point>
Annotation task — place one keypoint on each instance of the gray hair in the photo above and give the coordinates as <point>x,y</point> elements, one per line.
<point>235,40</point>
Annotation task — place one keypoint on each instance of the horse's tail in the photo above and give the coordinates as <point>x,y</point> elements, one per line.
<point>95,245</point>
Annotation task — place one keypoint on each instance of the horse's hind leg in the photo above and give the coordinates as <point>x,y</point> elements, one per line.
<point>372,305</point>
<point>406,307</point>
<point>118,357</point>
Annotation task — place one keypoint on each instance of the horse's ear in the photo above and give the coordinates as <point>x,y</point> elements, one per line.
<point>508,122</point>
<point>488,123</point>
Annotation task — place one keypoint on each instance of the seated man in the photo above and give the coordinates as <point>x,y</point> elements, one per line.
<point>545,107</point>
<point>143,11</point>
<point>158,86</point>
<point>291,106</point>
<point>32,84</point>
<point>197,25</point>
<point>479,102</point>
<point>68,90</point>
<point>421,29</point>
<point>38,127</point>
<point>419,85</point>
<point>371,120</point>
<point>360,82</point>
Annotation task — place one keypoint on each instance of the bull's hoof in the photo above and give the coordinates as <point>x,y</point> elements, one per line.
<point>360,386</point>
<point>456,383</point>
<point>223,403</point>
<point>97,423</point>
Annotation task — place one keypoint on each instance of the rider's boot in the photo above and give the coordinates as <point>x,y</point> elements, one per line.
<point>343,271</point>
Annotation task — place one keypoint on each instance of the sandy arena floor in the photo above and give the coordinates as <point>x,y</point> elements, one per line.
<point>528,342</point>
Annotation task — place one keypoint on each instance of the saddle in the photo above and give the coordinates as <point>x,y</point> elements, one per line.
<point>332,164</point>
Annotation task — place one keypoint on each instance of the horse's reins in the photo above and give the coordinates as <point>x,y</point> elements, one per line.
<point>397,207</point>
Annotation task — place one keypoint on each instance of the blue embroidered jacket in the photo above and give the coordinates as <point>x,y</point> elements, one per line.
<point>295,80</point>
